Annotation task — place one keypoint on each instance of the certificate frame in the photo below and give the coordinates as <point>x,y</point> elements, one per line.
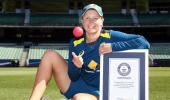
<point>105,74</point>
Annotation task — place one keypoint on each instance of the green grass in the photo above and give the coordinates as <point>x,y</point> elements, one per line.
<point>159,83</point>
<point>16,84</point>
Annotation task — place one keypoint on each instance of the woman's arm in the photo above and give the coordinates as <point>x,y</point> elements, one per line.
<point>123,41</point>
<point>73,71</point>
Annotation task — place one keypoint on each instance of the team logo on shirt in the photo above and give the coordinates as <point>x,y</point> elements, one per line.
<point>81,53</point>
<point>92,65</point>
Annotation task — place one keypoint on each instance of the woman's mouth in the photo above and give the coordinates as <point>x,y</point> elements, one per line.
<point>92,26</point>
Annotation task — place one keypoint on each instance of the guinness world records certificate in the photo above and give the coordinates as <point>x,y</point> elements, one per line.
<point>124,75</point>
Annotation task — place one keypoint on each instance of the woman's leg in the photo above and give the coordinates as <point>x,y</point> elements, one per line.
<point>84,96</point>
<point>51,64</point>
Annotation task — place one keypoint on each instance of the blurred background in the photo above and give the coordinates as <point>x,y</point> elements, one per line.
<point>30,27</point>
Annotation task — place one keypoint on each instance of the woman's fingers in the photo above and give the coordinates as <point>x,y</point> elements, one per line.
<point>105,48</point>
<point>74,55</point>
<point>77,60</point>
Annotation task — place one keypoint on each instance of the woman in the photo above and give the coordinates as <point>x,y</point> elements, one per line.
<point>79,78</point>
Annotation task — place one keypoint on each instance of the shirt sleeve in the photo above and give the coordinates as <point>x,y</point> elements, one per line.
<point>123,41</point>
<point>73,71</point>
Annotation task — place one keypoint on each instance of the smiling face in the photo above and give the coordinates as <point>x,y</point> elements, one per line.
<point>92,22</point>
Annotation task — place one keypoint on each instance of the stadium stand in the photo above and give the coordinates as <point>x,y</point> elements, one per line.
<point>160,54</point>
<point>12,18</point>
<point>42,24</point>
<point>36,52</point>
<point>154,18</point>
<point>161,6</point>
<point>10,55</point>
<point>52,19</point>
<point>118,19</point>
<point>58,19</point>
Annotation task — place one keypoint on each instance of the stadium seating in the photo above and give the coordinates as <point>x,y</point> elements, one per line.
<point>154,19</point>
<point>10,55</point>
<point>159,52</point>
<point>64,19</point>
<point>10,52</point>
<point>117,19</point>
<point>36,53</point>
<point>52,19</point>
<point>52,13</point>
<point>12,19</point>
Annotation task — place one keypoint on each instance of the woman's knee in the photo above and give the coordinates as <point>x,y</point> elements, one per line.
<point>84,96</point>
<point>56,61</point>
<point>51,55</point>
<point>49,58</point>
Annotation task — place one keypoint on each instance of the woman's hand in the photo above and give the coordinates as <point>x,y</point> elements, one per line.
<point>105,48</point>
<point>77,60</point>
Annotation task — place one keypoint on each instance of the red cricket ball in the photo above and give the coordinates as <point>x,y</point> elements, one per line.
<point>77,31</point>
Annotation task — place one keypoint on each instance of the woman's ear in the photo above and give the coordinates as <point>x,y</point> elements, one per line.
<point>103,19</point>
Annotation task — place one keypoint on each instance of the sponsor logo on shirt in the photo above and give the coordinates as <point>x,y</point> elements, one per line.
<point>92,65</point>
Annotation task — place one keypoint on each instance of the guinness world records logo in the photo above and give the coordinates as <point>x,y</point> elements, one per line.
<point>124,69</point>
